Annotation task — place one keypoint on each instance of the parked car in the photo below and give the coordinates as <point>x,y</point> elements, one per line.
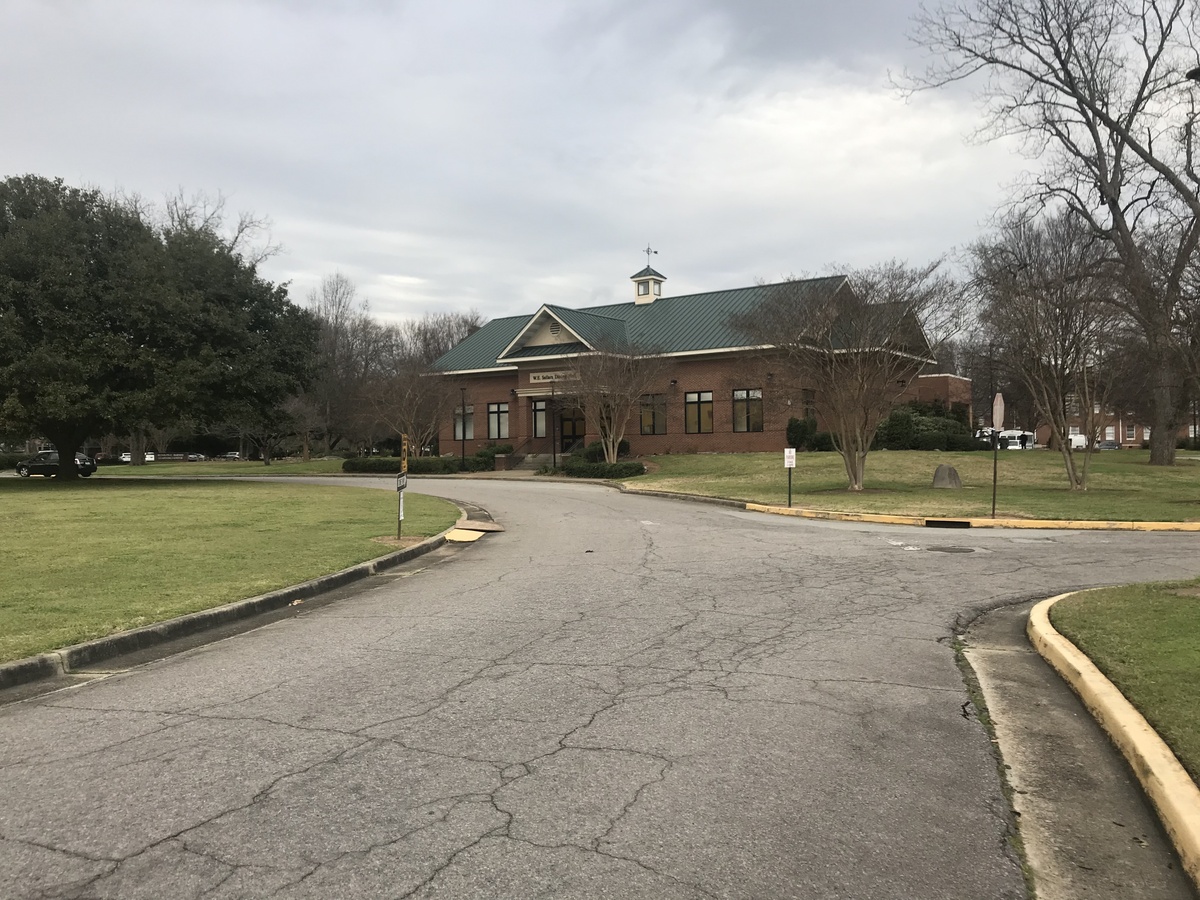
<point>128,457</point>
<point>232,454</point>
<point>196,457</point>
<point>45,463</point>
<point>1108,445</point>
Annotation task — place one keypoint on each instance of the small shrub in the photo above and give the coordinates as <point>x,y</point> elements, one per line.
<point>377,465</point>
<point>822,442</point>
<point>433,465</point>
<point>960,442</point>
<point>594,452</point>
<point>579,467</point>
<point>930,440</point>
<point>897,431</point>
<point>800,432</point>
<point>10,460</point>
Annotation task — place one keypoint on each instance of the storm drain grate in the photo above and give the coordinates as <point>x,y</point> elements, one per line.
<point>951,549</point>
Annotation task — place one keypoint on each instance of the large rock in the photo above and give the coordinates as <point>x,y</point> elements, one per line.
<point>946,477</point>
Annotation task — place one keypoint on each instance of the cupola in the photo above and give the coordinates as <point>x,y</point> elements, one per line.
<point>647,285</point>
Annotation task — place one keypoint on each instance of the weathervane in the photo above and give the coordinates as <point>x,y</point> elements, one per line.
<point>648,251</point>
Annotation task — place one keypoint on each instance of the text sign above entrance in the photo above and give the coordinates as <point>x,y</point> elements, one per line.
<point>539,377</point>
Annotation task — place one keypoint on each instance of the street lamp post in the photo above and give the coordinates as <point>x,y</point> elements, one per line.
<point>462,427</point>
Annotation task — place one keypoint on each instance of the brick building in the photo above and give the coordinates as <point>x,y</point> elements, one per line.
<point>718,393</point>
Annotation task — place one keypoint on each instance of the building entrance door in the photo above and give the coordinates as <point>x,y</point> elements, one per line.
<point>572,427</point>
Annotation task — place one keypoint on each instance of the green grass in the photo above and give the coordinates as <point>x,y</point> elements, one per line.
<point>331,466</point>
<point>88,558</point>
<point>1146,639</point>
<point>1122,486</point>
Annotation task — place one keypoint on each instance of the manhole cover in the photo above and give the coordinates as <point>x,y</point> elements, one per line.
<point>952,549</point>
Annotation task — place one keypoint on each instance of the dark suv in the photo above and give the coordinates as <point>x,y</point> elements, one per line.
<point>46,464</point>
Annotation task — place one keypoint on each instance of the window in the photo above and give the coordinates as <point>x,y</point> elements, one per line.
<point>539,418</point>
<point>747,410</point>
<point>698,412</point>
<point>1130,432</point>
<point>643,288</point>
<point>1074,429</point>
<point>470,423</point>
<point>657,289</point>
<point>497,421</point>
<point>1110,433</point>
<point>809,398</point>
<point>654,414</point>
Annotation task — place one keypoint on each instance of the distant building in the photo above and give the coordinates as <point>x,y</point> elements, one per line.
<point>718,394</point>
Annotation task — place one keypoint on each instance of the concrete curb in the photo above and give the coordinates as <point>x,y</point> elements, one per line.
<point>1165,781</point>
<point>68,659</point>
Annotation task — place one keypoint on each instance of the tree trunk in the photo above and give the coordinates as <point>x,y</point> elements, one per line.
<point>67,442</point>
<point>1162,432</point>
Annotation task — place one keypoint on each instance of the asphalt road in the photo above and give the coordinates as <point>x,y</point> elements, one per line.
<point>620,696</point>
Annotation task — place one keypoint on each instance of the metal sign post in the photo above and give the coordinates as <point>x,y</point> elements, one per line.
<point>789,463</point>
<point>997,424</point>
<point>401,483</point>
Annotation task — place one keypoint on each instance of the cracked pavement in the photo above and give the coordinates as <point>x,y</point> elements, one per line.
<point>620,696</point>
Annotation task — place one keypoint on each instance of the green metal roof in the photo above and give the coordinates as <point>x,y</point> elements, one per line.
<point>690,323</point>
<point>648,273</point>
<point>480,349</point>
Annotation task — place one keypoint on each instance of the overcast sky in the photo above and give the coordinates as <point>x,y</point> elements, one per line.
<point>501,154</point>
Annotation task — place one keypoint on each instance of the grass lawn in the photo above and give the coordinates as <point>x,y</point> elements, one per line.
<point>84,559</point>
<point>1146,639</point>
<point>1122,486</point>
<point>332,466</point>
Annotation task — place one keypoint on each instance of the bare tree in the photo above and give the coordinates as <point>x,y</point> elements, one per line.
<point>1044,287</point>
<point>1097,90</point>
<point>350,342</point>
<point>856,341</point>
<point>423,340</point>
<point>608,384</point>
<point>403,395</point>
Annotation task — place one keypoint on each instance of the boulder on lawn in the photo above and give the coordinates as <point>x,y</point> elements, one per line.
<point>946,477</point>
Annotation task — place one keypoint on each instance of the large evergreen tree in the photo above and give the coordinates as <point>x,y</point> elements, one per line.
<point>108,322</point>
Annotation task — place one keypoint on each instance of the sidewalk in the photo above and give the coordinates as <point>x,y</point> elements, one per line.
<point>1089,831</point>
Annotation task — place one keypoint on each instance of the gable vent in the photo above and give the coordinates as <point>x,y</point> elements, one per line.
<point>555,328</point>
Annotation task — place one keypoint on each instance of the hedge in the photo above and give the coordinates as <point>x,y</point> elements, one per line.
<point>577,467</point>
<point>594,452</point>
<point>483,461</point>
<point>10,460</point>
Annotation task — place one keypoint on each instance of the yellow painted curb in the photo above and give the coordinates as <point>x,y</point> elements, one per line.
<point>1165,781</point>
<point>973,522</point>
<point>877,518</point>
<point>462,536</point>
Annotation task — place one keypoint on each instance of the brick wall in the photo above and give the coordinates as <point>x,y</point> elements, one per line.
<point>719,374</point>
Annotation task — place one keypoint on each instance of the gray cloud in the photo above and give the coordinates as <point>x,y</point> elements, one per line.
<point>463,153</point>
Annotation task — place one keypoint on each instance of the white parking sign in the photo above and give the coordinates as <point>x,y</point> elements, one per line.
<point>789,458</point>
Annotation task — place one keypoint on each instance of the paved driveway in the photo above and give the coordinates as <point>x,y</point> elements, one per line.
<point>620,696</point>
